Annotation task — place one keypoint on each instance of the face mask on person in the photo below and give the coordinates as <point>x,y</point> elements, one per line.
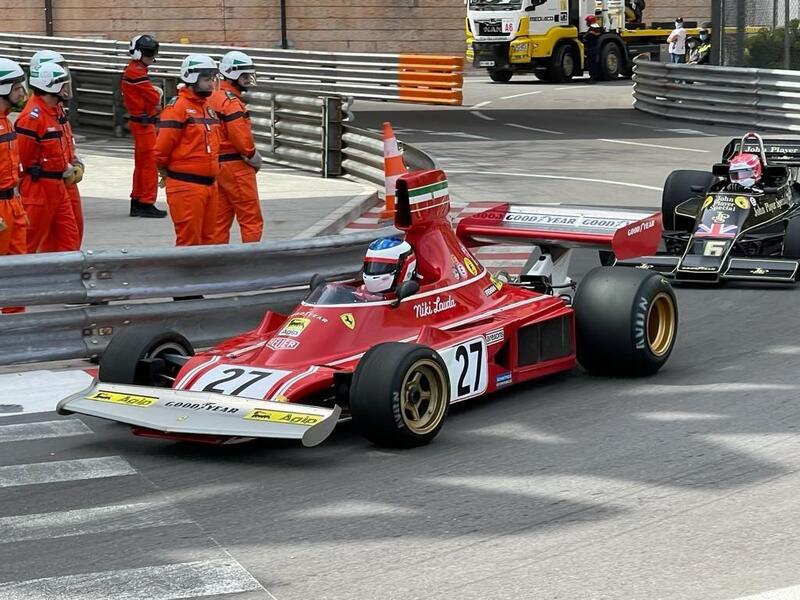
<point>704,37</point>
<point>678,25</point>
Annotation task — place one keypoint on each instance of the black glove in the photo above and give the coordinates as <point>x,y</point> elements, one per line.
<point>35,171</point>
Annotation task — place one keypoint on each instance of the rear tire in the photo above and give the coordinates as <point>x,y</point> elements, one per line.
<point>120,362</point>
<point>611,61</point>
<point>501,75</point>
<point>677,190</point>
<point>400,395</point>
<point>626,321</point>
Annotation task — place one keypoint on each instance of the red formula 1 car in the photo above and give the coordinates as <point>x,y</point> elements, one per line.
<point>395,363</point>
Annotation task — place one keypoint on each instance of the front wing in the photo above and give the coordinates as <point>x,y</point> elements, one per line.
<point>202,413</point>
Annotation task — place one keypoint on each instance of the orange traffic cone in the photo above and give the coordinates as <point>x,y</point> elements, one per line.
<point>393,167</point>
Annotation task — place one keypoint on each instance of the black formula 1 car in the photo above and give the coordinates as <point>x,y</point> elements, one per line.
<point>716,230</point>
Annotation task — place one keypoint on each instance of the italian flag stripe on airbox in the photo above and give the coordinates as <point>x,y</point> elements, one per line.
<point>427,192</point>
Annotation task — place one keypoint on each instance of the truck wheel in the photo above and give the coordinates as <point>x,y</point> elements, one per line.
<point>626,321</point>
<point>677,190</point>
<point>137,355</point>
<point>500,76</point>
<point>400,395</point>
<point>611,62</point>
<point>563,64</point>
<point>791,239</point>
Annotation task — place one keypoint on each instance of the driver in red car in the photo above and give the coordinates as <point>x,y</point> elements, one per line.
<point>389,262</point>
<point>745,170</point>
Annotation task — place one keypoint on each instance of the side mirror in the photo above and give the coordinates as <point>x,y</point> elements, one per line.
<point>698,189</point>
<point>770,190</point>
<point>316,281</point>
<point>406,289</point>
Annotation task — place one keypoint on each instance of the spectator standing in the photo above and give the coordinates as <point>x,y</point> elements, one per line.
<point>677,42</point>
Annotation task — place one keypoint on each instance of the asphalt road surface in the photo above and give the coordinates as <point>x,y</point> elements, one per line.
<point>681,486</point>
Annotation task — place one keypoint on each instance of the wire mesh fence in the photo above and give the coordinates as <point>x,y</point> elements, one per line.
<point>758,33</point>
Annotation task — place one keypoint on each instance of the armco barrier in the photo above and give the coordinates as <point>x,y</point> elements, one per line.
<point>431,79</point>
<point>749,98</point>
<point>131,287</point>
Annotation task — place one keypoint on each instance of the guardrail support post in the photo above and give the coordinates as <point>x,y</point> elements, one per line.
<point>332,133</point>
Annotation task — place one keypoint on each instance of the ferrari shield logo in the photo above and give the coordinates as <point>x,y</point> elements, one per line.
<point>349,320</point>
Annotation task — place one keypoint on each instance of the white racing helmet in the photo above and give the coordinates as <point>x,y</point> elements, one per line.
<point>235,64</point>
<point>195,64</point>
<point>10,73</point>
<point>47,56</point>
<point>49,77</point>
<point>389,262</point>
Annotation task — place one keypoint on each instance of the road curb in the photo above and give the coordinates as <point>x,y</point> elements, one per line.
<point>342,216</point>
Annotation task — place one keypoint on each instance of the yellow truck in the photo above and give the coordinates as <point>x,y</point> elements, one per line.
<point>544,37</point>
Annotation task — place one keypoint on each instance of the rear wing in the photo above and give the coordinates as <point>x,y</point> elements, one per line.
<point>629,233</point>
<point>777,151</point>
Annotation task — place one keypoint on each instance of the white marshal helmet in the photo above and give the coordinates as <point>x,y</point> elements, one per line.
<point>49,77</point>
<point>47,56</point>
<point>10,73</point>
<point>194,64</point>
<point>235,64</point>
<point>389,262</point>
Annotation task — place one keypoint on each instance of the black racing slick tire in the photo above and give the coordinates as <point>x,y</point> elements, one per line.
<point>135,356</point>
<point>791,239</point>
<point>626,321</point>
<point>501,75</point>
<point>677,190</point>
<point>400,395</point>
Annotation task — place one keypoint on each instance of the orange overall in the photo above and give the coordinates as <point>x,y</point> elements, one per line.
<point>12,213</point>
<point>44,153</point>
<point>142,101</point>
<point>238,191</point>
<point>187,149</point>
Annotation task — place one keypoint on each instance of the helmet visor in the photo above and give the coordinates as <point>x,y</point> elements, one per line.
<point>379,266</point>
<point>742,174</point>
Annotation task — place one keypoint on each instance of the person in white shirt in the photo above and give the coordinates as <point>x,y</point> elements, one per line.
<point>677,42</point>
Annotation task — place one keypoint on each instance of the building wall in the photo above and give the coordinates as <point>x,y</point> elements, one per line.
<point>428,26</point>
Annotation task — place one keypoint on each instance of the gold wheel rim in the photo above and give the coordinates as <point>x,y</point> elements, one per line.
<point>422,396</point>
<point>661,324</point>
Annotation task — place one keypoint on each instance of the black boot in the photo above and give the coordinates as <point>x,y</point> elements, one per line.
<point>140,209</point>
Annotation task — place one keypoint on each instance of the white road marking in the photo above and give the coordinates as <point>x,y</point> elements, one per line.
<point>64,470</point>
<point>787,593</point>
<point>704,388</point>
<point>480,115</point>
<point>86,521</point>
<point>354,509</point>
<point>520,432</point>
<point>783,350</point>
<point>652,145</point>
<point>482,104</point>
<point>38,391</point>
<point>566,177</point>
<point>673,416</point>
<point>46,429</point>
<point>520,95</point>
<point>163,582</point>
<point>536,129</point>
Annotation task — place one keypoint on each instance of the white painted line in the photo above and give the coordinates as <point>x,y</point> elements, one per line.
<point>566,177</point>
<point>652,145</point>
<point>520,95</point>
<point>673,416</point>
<point>704,388</point>
<point>38,391</point>
<point>787,593</point>
<point>480,115</point>
<point>163,582</point>
<point>482,104</point>
<point>64,470</point>
<point>46,429</point>
<point>101,519</point>
<point>536,129</point>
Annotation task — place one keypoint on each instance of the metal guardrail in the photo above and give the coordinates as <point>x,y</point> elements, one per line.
<point>362,155</point>
<point>430,79</point>
<point>749,98</point>
<point>130,287</point>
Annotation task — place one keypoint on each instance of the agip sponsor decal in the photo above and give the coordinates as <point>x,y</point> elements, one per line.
<point>295,326</point>
<point>286,418</point>
<point>124,399</point>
